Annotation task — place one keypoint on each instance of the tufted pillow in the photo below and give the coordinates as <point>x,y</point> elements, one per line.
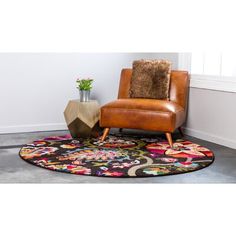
<point>150,79</point>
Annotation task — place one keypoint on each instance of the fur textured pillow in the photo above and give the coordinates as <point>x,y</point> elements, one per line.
<point>150,79</point>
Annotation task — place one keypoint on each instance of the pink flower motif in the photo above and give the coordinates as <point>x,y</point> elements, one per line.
<point>71,167</point>
<point>58,138</point>
<point>169,160</point>
<point>115,173</point>
<point>180,149</point>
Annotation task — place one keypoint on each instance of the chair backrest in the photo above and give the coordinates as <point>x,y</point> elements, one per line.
<point>179,86</point>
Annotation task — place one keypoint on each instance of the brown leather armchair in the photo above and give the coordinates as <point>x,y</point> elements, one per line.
<point>147,114</point>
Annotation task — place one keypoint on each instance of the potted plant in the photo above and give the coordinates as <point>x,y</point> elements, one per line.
<point>84,86</point>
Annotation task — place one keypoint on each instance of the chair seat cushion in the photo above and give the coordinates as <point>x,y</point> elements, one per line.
<point>149,114</point>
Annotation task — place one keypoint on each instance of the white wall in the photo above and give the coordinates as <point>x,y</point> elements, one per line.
<point>212,116</point>
<point>35,87</point>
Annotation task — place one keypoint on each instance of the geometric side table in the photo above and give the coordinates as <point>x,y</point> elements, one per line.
<point>82,118</point>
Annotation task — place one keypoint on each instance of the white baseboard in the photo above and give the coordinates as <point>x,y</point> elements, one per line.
<point>32,128</point>
<point>62,126</point>
<point>211,138</point>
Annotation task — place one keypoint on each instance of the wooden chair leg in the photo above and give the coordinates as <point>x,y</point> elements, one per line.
<point>181,131</point>
<point>169,139</point>
<point>105,133</point>
<point>120,130</point>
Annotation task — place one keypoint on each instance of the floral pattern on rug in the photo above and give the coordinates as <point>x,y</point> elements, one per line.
<point>117,156</point>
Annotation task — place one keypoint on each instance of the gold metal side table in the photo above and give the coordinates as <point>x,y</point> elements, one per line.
<point>82,118</point>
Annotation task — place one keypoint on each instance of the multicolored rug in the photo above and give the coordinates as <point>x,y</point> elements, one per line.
<point>117,156</point>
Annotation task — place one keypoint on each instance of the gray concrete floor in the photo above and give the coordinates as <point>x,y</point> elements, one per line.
<point>14,170</point>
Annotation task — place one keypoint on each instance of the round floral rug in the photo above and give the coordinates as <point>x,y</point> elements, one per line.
<point>117,156</point>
